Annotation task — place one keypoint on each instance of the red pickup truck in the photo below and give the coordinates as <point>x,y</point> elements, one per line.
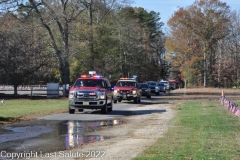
<point>91,92</point>
<point>127,89</point>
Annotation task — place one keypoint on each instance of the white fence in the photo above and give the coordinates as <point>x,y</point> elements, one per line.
<point>32,90</point>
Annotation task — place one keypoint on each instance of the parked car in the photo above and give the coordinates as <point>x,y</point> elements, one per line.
<point>167,85</point>
<point>162,87</point>
<point>154,87</point>
<point>146,91</point>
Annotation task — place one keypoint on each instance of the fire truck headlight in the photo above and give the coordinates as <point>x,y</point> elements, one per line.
<point>71,94</point>
<point>134,92</point>
<point>101,95</point>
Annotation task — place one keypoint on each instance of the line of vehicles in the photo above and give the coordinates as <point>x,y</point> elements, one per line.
<point>93,91</point>
<point>153,87</point>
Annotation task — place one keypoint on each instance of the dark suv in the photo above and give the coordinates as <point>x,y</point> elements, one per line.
<point>91,92</point>
<point>146,91</point>
<point>154,87</point>
<point>162,87</point>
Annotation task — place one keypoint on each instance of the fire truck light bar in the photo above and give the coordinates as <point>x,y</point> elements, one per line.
<point>97,76</point>
<point>127,78</point>
<point>91,76</point>
<point>84,76</point>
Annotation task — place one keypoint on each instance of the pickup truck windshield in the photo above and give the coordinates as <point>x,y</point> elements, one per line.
<point>126,83</point>
<point>152,84</point>
<point>144,85</point>
<point>89,83</point>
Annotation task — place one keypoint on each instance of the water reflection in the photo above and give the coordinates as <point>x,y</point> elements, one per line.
<point>26,132</point>
<point>51,136</point>
<point>75,136</point>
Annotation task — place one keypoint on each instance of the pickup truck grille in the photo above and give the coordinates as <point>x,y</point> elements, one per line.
<point>86,95</point>
<point>124,91</point>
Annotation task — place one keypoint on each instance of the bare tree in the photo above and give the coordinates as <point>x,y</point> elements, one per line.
<point>228,55</point>
<point>57,17</point>
<point>22,54</point>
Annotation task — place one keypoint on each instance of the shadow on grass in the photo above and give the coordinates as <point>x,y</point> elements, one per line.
<point>25,96</point>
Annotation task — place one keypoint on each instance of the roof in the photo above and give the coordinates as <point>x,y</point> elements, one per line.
<point>172,80</point>
<point>127,80</point>
<point>89,78</point>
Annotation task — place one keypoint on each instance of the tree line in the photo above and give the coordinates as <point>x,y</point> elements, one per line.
<point>57,41</point>
<point>203,44</point>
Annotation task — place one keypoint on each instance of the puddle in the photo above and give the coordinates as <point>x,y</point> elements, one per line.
<point>15,133</point>
<point>49,136</point>
<point>75,138</point>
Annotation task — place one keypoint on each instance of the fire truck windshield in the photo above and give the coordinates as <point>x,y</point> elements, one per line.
<point>126,83</point>
<point>89,83</point>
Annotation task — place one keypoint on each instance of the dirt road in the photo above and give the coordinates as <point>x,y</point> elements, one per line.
<point>128,140</point>
<point>142,130</point>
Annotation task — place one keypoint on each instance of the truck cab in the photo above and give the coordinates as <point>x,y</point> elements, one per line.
<point>127,89</point>
<point>91,92</point>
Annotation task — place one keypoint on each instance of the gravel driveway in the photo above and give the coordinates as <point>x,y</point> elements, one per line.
<point>128,140</point>
<point>142,130</point>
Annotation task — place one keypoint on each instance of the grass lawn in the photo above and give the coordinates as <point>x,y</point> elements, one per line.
<point>201,130</point>
<point>23,109</point>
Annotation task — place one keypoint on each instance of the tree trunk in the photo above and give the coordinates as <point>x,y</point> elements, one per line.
<point>15,89</point>
<point>205,71</point>
<point>65,73</point>
<point>91,36</point>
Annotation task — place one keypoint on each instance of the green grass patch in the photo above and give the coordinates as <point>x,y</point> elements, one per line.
<point>24,109</point>
<point>201,130</point>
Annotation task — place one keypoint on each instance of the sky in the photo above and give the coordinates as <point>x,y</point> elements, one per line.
<point>166,8</point>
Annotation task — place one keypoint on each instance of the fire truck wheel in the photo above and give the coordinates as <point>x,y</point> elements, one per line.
<point>110,107</point>
<point>136,100</point>
<point>104,109</point>
<point>71,111</point>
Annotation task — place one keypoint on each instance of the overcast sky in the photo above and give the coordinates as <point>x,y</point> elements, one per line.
<point>166,8</point>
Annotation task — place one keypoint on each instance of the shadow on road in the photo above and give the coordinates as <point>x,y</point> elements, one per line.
<point>126,112</point>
